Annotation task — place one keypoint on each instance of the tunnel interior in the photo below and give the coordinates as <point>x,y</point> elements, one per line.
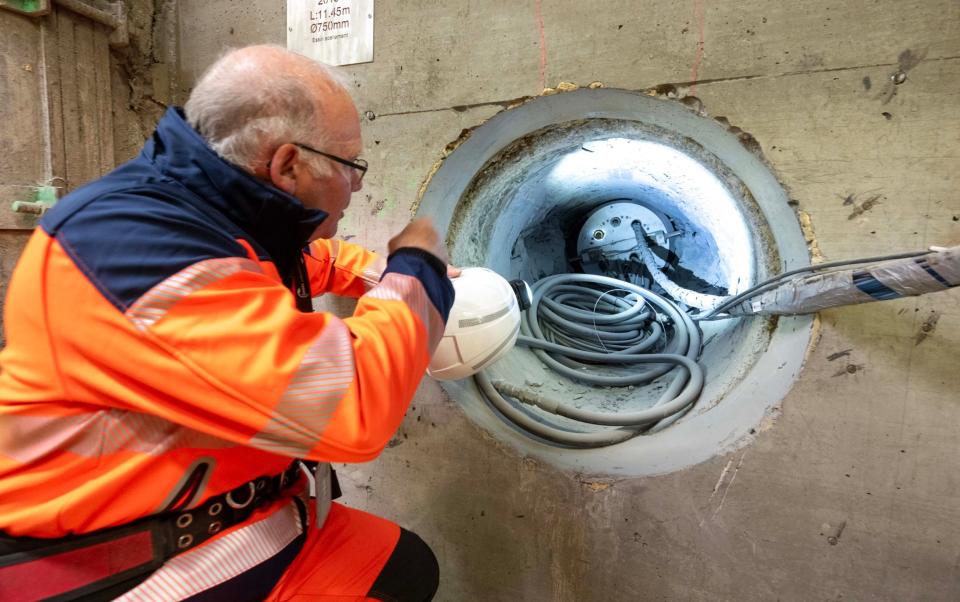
<point>573,196</point>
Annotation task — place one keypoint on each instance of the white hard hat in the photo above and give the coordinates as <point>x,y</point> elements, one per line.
<point>483,325</point>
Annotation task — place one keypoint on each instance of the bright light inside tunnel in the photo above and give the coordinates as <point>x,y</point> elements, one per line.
<point>667,179</point>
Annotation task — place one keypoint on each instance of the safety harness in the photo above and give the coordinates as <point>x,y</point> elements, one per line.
<point>106,563</point>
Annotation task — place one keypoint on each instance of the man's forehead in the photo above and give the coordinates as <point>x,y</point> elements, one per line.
<point>339,118</point>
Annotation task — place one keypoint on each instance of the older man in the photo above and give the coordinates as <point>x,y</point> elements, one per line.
<point>163,365</point>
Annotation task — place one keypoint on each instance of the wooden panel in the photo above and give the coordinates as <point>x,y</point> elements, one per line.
<point>21,101</point>
<point>68,109</point>
<point>104,99</point>
<point>77,121</point>
<point>86,121</point>
<point>55,104</point>
<point>50,45</point>
<point>88,155</point>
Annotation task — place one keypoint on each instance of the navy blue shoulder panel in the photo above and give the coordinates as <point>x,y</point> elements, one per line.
<point>128,239</point>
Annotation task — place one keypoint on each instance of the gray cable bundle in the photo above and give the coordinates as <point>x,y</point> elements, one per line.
<point>577,318</point>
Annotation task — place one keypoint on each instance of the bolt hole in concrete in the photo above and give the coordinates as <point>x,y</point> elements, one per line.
<point>605,182</point>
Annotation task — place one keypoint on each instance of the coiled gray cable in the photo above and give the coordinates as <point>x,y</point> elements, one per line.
<point>574,322</point>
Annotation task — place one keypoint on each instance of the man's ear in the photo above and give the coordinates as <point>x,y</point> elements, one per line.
<point>284,166</point>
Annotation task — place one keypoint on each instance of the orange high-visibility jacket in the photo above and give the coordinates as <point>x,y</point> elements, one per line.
<point>156,355</point>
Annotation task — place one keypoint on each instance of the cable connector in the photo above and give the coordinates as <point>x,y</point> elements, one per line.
<point>524,295</point>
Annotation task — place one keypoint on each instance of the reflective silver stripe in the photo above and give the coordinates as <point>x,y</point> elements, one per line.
<point>156,302</point>
<point>313,394</point>
<point>487,318</point>
<point>94,434</point>
<point>400,287</point>
<point>371,274</point>
<point>220,559</point>
<point>499,348</point>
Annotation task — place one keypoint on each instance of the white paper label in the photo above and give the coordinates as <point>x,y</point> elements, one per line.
<point>335,32</point>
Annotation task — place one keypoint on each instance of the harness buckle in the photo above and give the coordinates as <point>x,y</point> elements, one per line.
<point>236,505</point>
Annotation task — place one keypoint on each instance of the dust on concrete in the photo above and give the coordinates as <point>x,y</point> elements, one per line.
<point>862,207</point>
<point>849,369</point>
<point>906,60</point>
<point>927,328</point>
<point>835,356</point>
<point>834,532</point>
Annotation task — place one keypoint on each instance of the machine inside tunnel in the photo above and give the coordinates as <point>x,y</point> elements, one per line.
<point>625,186</point>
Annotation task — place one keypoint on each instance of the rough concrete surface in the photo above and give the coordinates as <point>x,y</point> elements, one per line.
<point>852,493</point>
<point>144,73</point>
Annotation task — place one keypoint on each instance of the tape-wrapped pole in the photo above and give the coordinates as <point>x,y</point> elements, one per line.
<point>803,294</point>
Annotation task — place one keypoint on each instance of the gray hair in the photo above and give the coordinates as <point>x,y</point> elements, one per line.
<point>242,109</point>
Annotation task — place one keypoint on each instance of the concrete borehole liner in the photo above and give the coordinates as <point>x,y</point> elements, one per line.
<point>516,193</point>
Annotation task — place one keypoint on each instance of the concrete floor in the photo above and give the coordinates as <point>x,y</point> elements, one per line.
<point>852,490</point>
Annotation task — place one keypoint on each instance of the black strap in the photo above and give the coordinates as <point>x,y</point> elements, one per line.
<point>189,528</point>
<point>170,534</point>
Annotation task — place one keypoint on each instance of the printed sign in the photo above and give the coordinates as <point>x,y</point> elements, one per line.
<point>335,32</point>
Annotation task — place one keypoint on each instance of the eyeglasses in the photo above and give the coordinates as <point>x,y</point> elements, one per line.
<point>358,164</point>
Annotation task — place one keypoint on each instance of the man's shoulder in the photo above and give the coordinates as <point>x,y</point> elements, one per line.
<point>129,234</point>
<point>133,192</point>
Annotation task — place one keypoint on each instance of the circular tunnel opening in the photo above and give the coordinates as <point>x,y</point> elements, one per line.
<point>576,183</point>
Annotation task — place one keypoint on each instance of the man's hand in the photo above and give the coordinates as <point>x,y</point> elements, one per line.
<point>453,271</point>
<point>420,234</point>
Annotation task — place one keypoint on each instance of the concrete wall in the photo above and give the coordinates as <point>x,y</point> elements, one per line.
<point>852,492</point>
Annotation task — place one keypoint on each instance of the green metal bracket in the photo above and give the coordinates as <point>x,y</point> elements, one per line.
<point>34,8</point>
